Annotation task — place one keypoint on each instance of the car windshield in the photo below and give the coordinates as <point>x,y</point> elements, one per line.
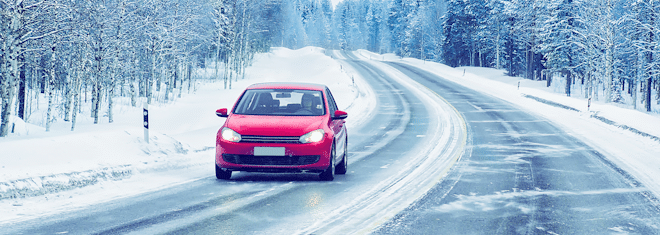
<point>281,103</point>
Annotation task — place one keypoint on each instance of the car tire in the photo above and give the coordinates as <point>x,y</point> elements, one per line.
<point>222,174</point>
<point>329,173</point>
<point>342,167</point>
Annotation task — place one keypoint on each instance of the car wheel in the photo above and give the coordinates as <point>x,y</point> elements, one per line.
<point>222,174</point>
<point>329,173</point>
<point>342,167</point>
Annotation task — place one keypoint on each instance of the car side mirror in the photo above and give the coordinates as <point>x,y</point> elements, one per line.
<point>340,115</point>
<point>222,112</point>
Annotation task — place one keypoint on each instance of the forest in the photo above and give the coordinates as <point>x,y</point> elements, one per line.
<point>81,56</point>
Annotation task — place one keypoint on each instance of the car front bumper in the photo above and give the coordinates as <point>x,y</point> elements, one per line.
<point>312,157</point>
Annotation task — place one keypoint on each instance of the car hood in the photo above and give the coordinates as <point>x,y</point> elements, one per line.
<point>274,125</point>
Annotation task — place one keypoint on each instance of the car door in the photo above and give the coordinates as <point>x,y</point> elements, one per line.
<point>337,126</point>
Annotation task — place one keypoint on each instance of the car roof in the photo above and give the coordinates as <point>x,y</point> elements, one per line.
<point>288,85</point>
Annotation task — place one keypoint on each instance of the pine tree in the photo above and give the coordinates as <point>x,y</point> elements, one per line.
<point>559,40</point>
<point>458,28</point>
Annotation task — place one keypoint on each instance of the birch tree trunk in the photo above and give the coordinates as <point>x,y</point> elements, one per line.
<point>50,106</point>
<point>9,84</point>
<point>93,97</point>
<point>51,85</point>
<point>609,74</point>
<point>111,91</point>
<point>168,84</point>
<point>96,87</point>
<point>181,79</point>
<point>133,92</point>
<point>21,91</point>
<point>5,96</point>
<point>190,77</point>
<point>68,99</point>
<point>9,64</point>
<point>587,87</point>
<point>7,99</point>
<point>76,99</point>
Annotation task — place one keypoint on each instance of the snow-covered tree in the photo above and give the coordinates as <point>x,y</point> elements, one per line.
<point>561,39</point>
<point>21,21</point>
<point>459,26</point>
<point>645,36</point>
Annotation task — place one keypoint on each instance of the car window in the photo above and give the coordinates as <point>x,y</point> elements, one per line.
<point>281,103</point>
<point>331,102</point>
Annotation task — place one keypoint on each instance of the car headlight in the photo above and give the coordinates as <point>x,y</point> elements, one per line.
<point>313,136</point>
<point>230,135</point>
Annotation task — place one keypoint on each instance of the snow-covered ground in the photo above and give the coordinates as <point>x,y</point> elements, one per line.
<point>48,172</point>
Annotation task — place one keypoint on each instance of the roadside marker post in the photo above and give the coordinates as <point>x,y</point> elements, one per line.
<point>145,113</point>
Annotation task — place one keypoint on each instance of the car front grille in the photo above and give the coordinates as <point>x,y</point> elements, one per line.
<point>270,139</point>
<point>271,160</point>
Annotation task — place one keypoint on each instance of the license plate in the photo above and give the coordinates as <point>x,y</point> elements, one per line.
<point>269,151</point>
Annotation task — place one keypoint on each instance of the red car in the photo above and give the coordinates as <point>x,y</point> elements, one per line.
<point>283,127</point>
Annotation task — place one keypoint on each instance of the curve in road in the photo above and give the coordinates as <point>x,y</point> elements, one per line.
<point>524,176</point>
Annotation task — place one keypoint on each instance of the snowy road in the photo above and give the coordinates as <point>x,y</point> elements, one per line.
<point>401,151</point>
<point>524,176</point>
